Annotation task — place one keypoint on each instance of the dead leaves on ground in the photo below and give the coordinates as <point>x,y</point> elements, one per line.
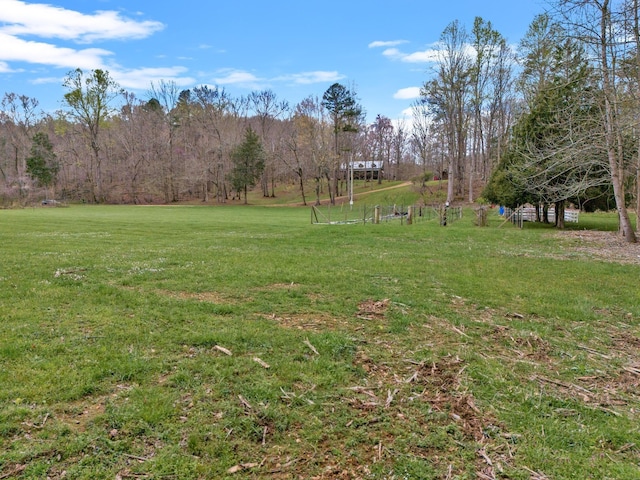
<point>373,309</point>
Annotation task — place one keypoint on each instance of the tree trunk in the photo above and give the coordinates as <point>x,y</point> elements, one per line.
<point>638,193</point>
<point>300,176</point>
<point>615,163</point>
<point>333,187</point>
<point>450,180</point>
<point>636,34</point>
<point>560,214</point>
<point>318,180</point>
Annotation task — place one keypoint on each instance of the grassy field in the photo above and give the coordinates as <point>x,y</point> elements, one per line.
<point>190,342</point>
<point>369,192</point>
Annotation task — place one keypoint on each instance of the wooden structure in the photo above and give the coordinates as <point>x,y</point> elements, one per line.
<point>363,169</point>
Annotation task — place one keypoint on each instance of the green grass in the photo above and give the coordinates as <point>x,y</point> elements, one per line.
<point>437,350</point>
<point>387,192</point>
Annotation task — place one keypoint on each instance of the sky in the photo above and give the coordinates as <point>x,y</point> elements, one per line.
<point>382,49</point>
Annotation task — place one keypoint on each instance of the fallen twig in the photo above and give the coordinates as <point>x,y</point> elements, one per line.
<point>261,362</point>
<point>43,422</point>
<point>484,476</point>
<point>241,466</point>
<point>244,402</point>
<point>458,331</point>
<point>449,472</point>
<point>536,475</point>
<point>287,395</point>
<point>135,457</point>
<point>595,352</point>
<point>313,349</point>
<point>369,393</point>
<point>565,385</point>
<point>390,396</point>
<point>473,406</point>
<point>626,447</point>
<point>413,377</point>
<point>486,458</point>
<point>12,473</point>
<point>223,350</point>
<point>608,410</point>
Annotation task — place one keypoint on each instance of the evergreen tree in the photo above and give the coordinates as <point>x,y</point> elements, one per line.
<point>42,165</point>
<point>346,115</point>
<point>554,155</point>
<point>248,163</point>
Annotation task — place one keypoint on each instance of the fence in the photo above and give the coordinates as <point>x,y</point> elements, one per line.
<point>529,214</point>
<point>345,214</point>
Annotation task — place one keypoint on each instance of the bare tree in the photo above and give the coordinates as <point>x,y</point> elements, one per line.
<point>381,143</point>
<point>88,98</point>
<point>213,117</point>
<point>19,115</point>
<point>164,97</point>
<point>593,22</point>
<point>312,141</point>
<point>449,94</point>
<point>399,144</point>
<point>423,138</point>
<point>631,16</point>
<point>268,110</point>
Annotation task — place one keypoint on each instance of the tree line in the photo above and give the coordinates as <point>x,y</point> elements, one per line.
<point>550,122</point>
<point>108,146</point>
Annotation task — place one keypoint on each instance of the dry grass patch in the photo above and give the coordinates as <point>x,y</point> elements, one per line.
<point>208,297</point>
<point>424,399</point>
<point>605,246</point>
<point>373,309</point>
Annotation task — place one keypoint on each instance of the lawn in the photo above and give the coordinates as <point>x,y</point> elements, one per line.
<point>192,342</point>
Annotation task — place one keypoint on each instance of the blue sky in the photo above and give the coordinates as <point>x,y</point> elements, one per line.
<point>295,48</point>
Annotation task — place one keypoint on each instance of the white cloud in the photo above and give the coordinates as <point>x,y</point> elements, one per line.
<point>4,67</point>
<point>407,93</point>
<point>430,55</point>
<point>47,21</point>
<point>28,31</point>
<point>141,78</point>
<point>392,43</point>
<point>239,78</point>
<point>426,56</point>
<point>244,79</point>
<point>48,80</point>
<point>136,79</point>
<point>307,78</point>
<point>16,49</point>
<point>393,53</point>
<point>408,112</point>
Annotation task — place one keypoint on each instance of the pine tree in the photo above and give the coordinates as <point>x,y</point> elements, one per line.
<point>42,165</point>
<point>248,160</point>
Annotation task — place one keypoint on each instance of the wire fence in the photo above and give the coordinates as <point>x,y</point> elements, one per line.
<point>409,214</point>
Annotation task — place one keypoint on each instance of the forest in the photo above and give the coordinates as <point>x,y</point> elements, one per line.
<point>551,120</point>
